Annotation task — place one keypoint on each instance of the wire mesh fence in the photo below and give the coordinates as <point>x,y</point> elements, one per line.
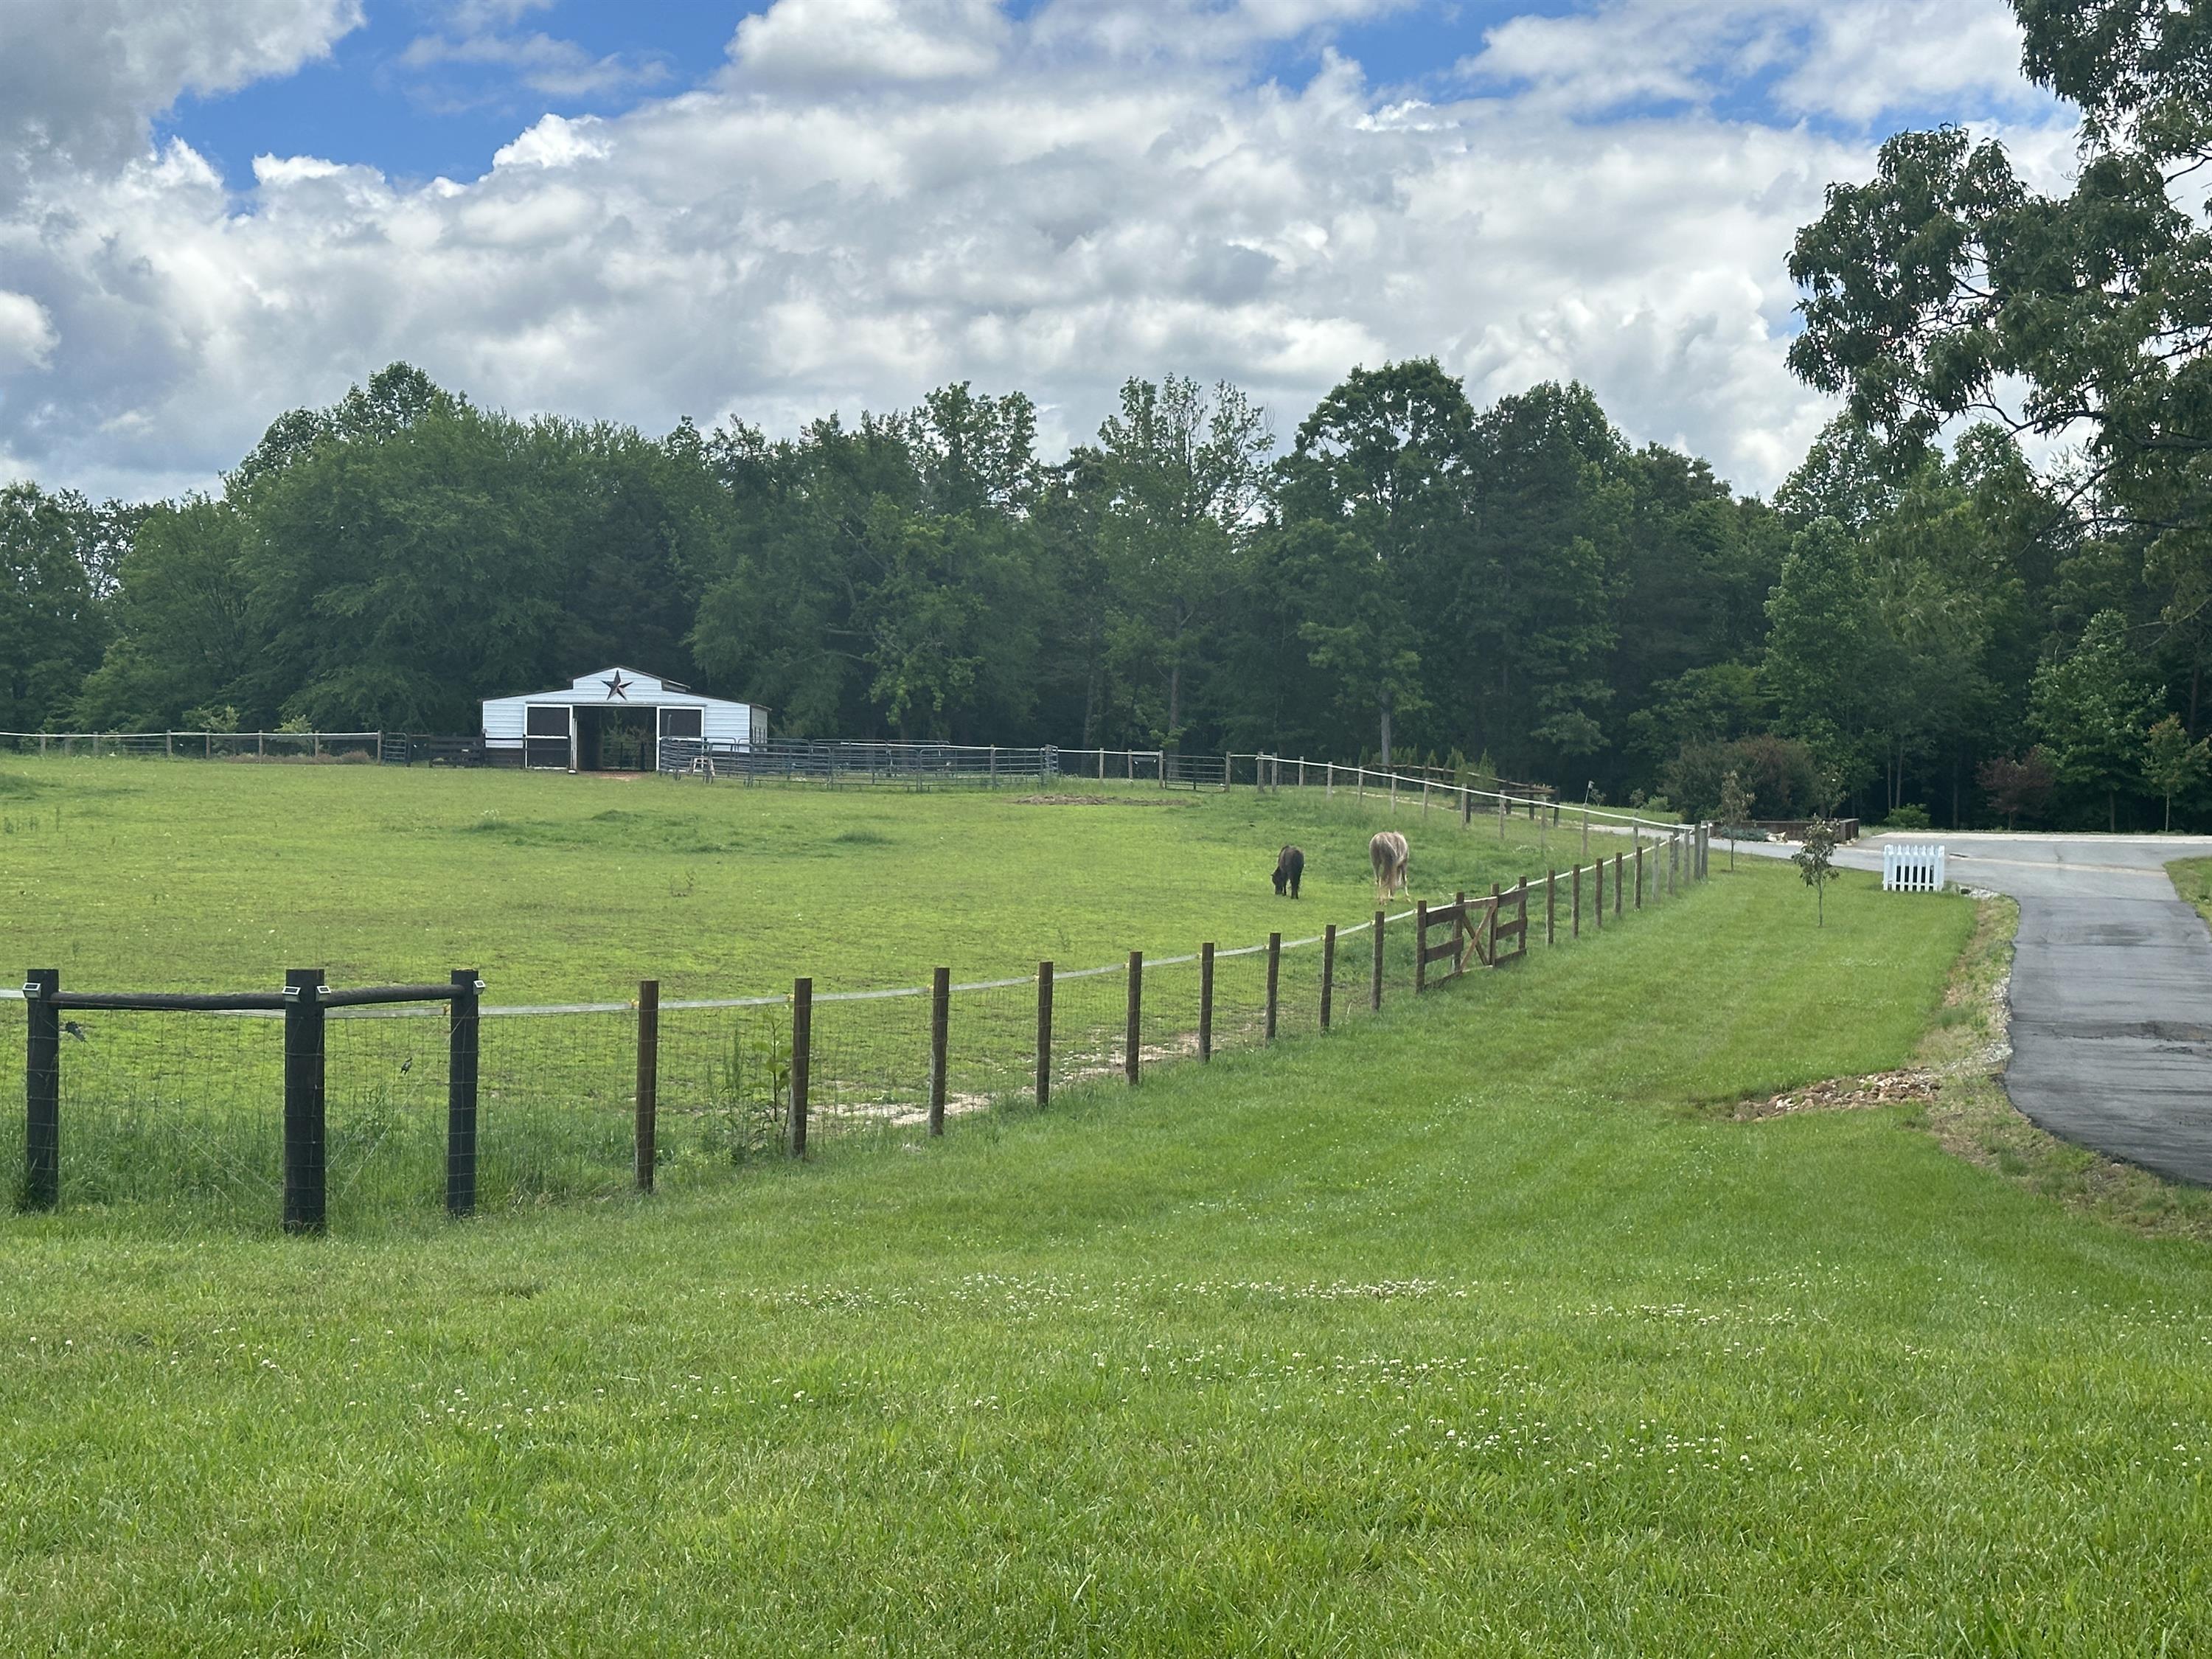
<point>189,1109</point>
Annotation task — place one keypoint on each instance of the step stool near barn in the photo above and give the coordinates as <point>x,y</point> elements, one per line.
<point>616,720</point>
<point>1912,869</point>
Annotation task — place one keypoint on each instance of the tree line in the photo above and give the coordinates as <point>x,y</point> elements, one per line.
<point>1920,625</point>
<point>1516,590</point>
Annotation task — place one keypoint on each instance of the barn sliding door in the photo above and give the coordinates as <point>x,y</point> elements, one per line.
<point>549,736</point>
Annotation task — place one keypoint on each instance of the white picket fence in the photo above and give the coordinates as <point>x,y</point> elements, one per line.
<point>1912,869</point>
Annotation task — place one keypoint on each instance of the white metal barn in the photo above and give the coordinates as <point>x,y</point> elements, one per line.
<point>611,721</point>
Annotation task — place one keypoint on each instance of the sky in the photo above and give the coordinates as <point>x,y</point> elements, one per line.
<point>215,210</point>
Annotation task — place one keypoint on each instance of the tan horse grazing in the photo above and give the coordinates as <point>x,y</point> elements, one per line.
<point>1388,854</point>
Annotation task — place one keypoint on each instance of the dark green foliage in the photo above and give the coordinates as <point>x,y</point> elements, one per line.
<point>53,550</point>
<point>1945,287</point>
<point>2094,711</point>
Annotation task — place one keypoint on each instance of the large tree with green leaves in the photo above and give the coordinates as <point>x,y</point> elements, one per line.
<point>1946,287</point>
<point>2094,711</point>
<point>1182,473</point>
<point>1374,506</point>
<point>51,624</point>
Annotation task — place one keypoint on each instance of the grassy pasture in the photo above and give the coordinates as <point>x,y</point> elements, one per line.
<point>154,875</point>
<point>1476,1327</point>
<point>193,876</point>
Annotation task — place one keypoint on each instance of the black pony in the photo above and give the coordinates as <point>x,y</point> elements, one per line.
<point>1290,865</point>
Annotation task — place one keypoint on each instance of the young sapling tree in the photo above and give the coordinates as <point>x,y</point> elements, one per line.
<point>1815,861</point>
<point>1736,810</point>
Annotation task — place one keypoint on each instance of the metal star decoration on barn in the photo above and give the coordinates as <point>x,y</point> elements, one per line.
<point>617,686</point>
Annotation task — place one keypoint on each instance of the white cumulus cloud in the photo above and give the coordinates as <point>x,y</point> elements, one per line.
<point>27,333</point>
<point>877,196</point>
<point>81,79</point>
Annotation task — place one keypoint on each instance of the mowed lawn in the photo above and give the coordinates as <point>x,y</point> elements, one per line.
<point>153,875</point>
<point>1475,1327</point>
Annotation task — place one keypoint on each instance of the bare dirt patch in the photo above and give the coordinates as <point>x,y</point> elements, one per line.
<point>1912,1086</point>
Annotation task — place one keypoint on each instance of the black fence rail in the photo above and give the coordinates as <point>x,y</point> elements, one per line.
<point>920,765</point>
<point>431,749</point>
<point>304,1005</point>
<point>197,745</point>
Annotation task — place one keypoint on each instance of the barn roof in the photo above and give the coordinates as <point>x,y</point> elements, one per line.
<point>618,685</point>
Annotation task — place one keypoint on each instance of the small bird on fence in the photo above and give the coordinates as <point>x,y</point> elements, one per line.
<point>74,1031</point>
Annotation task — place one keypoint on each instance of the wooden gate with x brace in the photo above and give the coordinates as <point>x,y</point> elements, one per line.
<point>1492,931</point>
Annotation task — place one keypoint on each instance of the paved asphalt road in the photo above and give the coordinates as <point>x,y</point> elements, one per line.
<point>2111,989</point>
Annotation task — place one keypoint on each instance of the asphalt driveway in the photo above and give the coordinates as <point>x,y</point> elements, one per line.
<point>2111,990</point>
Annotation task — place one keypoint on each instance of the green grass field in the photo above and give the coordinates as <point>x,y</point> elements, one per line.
<point>1477,1327</point>
<point>157,875</point>
<point>153,875</point>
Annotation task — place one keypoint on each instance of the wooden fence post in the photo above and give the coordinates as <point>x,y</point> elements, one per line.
<point>1551,907</point>
<point>1597,910</point>
<point>940,1023</point>
<point>1575,883</point>
<point>304,1050</point>
<point>1133,1048</point>
<point>1274,979</point>
<point>1619,875</point>
<point>802,1060</point>
<point>1493,924</point>
<point>1466,807</point>
<point>1044,1034</point>
<point>1327,971</point>
<point>1420,946</point>
<point>1639,878</point>
<point>1458,934</point>
<point>462,1055</point>
<point>1375,991</point>
<point>1206,1001</point>
<point>42,1090</point>
<point>649,1080</point>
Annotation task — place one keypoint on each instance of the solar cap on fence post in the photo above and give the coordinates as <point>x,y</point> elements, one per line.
<point>304,1141</point>
<point>42,1090</point>
<point>461,1053</point>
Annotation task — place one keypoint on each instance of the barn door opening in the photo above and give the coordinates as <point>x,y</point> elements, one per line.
<point>548,736</point>
<point>614,739</point>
